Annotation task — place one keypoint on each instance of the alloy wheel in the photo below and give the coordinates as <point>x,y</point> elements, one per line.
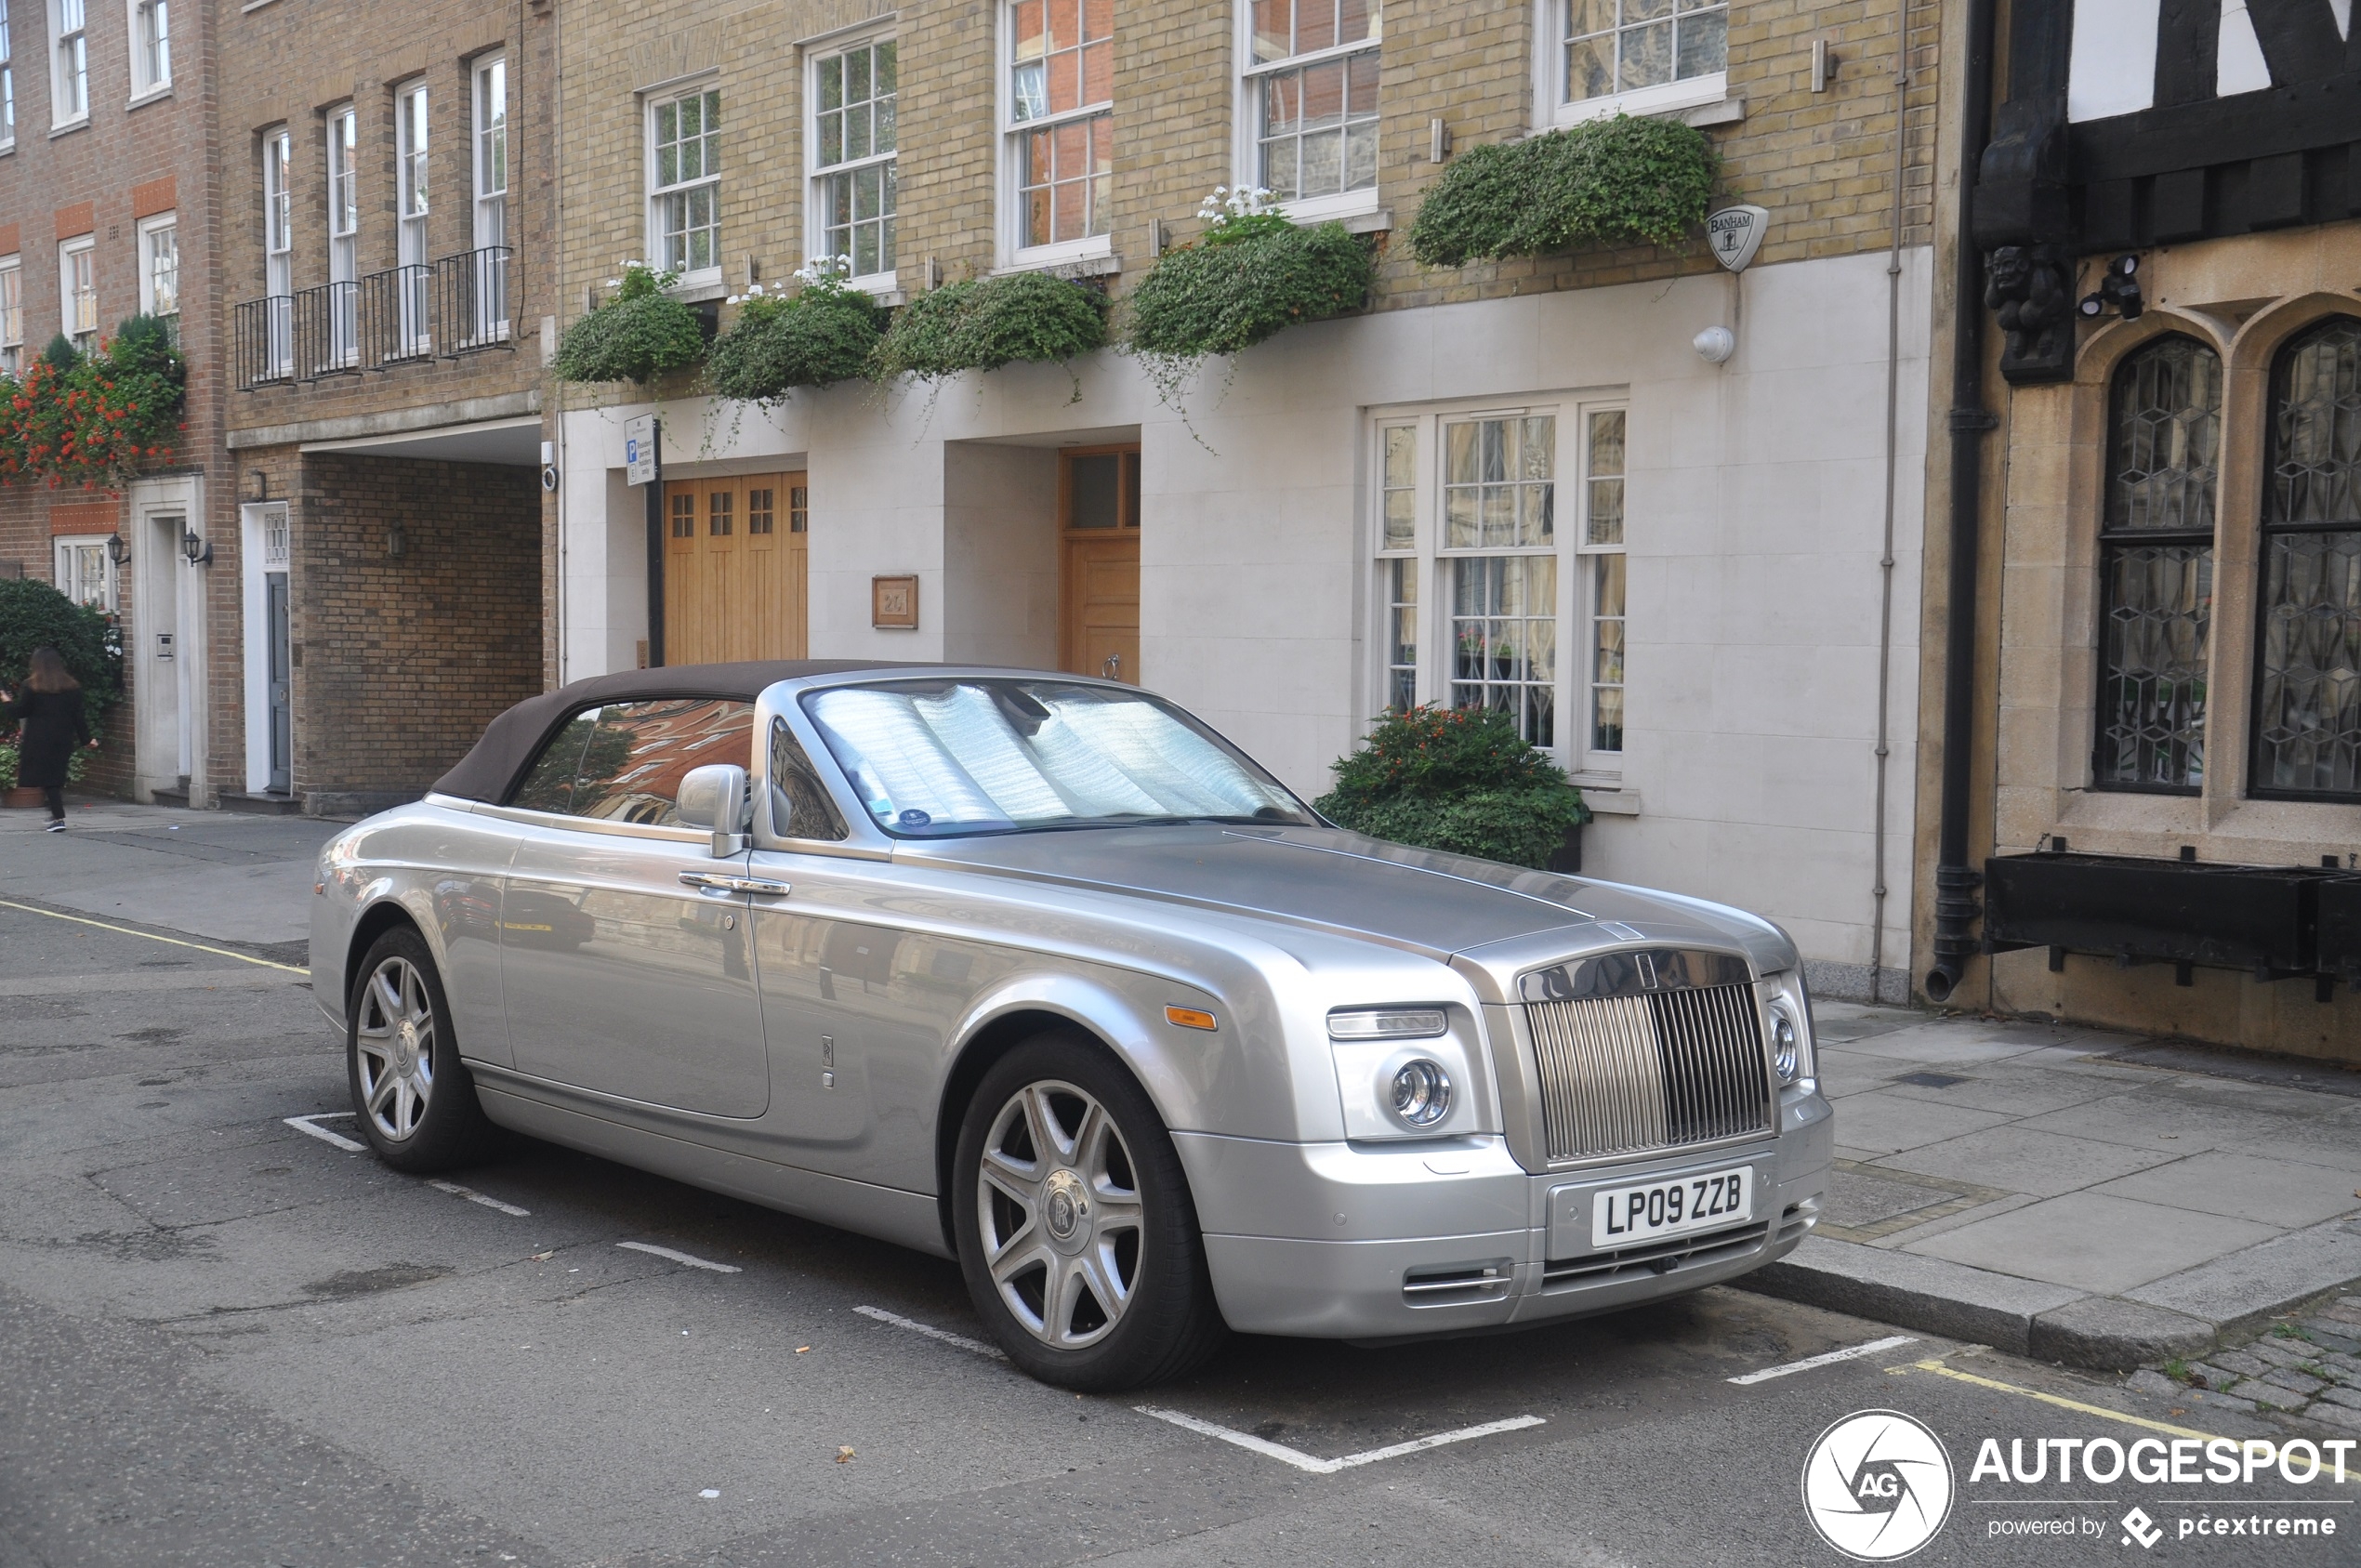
<point>1059,1215</point>
<point>397,1037</point>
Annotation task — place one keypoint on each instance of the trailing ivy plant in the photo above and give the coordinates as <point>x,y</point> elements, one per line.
<point>1251,274</point>
<point>1609,181</point>
<point>1459,780</point>
<point>822,332</point>
<point>983,323</point>
<point>637,334</point>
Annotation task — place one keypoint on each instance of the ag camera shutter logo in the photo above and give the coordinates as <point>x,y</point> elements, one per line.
<point>1877,1485</point>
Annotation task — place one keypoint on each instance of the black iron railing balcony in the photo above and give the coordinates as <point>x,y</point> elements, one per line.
<point>263,346</point>
<point>327,340</point>
<point>471,301</point>
<point>397,316</point>
<point>456,305</point>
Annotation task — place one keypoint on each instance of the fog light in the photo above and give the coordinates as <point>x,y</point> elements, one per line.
<point>1786,1047</point>
<point>1421,1093</point>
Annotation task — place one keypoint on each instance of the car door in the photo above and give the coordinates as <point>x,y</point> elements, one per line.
<point>855,1006</point>
<point>624,971</point>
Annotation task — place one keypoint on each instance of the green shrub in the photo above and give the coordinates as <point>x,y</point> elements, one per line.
<point>1459,780</point>
<point>983,323</point>
<point>822,334</point>
<point>1610,181</point>
<point>77,764</point>
<point>1253,274</point>
<point>34,614</point>
<point>637,334</point>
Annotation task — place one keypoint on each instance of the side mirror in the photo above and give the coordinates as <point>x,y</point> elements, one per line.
<point>715,798</point>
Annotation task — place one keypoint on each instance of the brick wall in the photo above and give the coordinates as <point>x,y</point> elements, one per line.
<point>1823,162</point>
<point>401,660</point>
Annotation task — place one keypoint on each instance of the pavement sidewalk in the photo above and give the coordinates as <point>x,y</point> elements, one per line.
<point>2073,1194</point>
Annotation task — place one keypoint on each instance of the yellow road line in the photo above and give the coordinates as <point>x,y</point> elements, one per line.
<point>1940,1370</point>
<point>126,930</point>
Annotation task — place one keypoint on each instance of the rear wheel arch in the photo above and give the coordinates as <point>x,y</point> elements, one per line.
<point>374,921</point>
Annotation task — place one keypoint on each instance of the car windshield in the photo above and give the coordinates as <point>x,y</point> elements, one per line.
<point>939,759</point>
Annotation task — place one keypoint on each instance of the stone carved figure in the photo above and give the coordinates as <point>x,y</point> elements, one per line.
<point>2028,288</point>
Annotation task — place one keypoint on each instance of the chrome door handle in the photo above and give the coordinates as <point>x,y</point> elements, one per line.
<point>722,882</point>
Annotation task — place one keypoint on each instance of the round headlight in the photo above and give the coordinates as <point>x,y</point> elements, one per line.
<point>1787,1045</point>
<point>1421,1093</point>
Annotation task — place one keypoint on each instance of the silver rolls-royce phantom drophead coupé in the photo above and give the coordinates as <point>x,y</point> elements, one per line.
<point>1038,972</point>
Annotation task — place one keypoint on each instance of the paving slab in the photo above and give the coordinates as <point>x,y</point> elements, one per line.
<point>2010,1087</point>
<point>2044,1163</point>
<point>2099,1244</point>
<point>2281,1192</point>
<point>2257,1283</point>
<point>1880,1122</point>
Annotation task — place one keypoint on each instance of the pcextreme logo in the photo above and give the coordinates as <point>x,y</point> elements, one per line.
<point>1877,1485</point>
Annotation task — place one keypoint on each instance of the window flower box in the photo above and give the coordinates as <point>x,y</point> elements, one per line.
<point>2259,919</point>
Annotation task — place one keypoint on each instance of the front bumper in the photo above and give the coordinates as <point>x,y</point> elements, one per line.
<point>1359,1241</point>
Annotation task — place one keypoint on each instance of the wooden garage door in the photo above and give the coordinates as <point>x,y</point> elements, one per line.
<point>1098,562</point>
<point>735,568</point>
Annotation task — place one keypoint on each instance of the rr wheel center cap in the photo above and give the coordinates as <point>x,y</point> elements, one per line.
<point>405,1049</point>
<point>1066,1208</point>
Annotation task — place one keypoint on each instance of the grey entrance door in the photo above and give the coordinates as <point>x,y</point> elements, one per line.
<point>281,695</point>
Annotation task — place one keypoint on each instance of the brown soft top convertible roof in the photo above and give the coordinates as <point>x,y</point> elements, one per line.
<point>511,741</point>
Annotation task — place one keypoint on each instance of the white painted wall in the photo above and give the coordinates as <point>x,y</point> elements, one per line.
<point>1757,495</point>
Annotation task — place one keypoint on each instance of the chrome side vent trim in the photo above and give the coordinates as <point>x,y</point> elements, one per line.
<point>1627,1074</point>
<point>1455,1287</point>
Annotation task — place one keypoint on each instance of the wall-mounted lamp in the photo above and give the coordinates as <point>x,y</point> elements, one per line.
<point>198,550</point>
<point>1715,344</point>
<point>1824,65</point>
<point>117,551</point>
<point>396,542</point>
<point>2119,290</point>
<point>1438,142</point>
<point>258,485</point>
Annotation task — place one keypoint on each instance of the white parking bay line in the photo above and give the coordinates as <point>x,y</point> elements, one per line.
<point>1303,1461</point>
<point>1830,1359</point>
<point>475,1197</point>
<point>973,1347</point>
<point>655,1250</point>
<point>310,1125</point>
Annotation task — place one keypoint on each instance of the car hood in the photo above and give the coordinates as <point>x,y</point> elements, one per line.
<point>1434,904</point>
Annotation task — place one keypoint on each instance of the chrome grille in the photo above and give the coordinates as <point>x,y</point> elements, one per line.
<point>1623,1074</point>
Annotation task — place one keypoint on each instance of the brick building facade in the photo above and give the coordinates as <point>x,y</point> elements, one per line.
<point>107,209</point>
<point>386,194</point>
<point>1774,497</point>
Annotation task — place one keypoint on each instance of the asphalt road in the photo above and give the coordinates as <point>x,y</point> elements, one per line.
<point>226,1341</point>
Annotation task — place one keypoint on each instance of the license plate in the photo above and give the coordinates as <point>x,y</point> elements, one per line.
<point>1626,1215</point>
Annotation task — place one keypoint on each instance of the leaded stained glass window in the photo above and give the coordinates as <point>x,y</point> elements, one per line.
<point>2155,567</point>
<point>2307,733</point>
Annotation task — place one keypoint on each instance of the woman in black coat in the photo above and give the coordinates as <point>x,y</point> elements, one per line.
<point>49,711</point>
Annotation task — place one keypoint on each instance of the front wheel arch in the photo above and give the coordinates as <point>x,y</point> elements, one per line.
<point>995,1039</point>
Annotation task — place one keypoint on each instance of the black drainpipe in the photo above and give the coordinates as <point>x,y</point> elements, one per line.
<point>1956,882</point>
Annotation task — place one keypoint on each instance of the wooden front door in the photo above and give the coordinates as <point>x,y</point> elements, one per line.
<point>735,568</point>
<point>1098,562</point>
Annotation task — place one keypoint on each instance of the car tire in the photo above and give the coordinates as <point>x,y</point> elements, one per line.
<point>412,1097</point>
<point>1105,1213</point>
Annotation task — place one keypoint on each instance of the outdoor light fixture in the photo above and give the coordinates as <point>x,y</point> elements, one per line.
<point>2119,289</point>
<point>395,543</point>
<point>1715,344</point>
<point>261,485</point>
<point>198,550</point>
<point>117,551</point>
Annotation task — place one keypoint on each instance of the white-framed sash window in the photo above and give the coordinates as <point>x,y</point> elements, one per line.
<point>488,279</point>
<point>278,248</point>
<point>343,236</point>
<point>411,170</point>
<point>7,81</point>
<point>84,572</point>
<point>1497,537</point>
<point>68,61</point>
<point>150,47</point>
<point>160,267</point>
<point>854,139</point>
<point>1307,112</point>
<point>78,291</point>
<point>1600,58</point>
<point>1057,127</point>
<point>11,315</point>
<point>684,184</point>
